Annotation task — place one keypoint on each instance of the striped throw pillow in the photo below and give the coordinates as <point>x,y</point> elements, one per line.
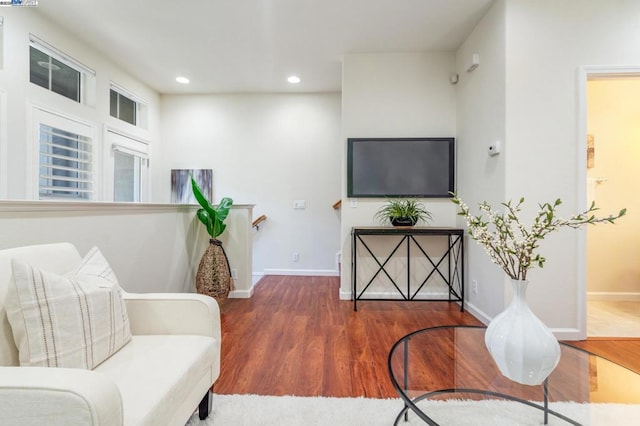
<point>75,321</point>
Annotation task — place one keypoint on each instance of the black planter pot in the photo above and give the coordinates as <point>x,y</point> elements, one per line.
<point>402,221</point>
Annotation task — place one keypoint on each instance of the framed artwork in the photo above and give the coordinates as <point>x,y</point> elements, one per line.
<point>181,192</point>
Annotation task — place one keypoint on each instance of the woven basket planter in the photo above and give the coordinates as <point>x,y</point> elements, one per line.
<point>214,274</point>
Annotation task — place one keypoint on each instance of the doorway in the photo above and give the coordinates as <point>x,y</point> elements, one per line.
<point>613,180</point>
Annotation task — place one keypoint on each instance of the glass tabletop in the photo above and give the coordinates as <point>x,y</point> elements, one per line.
<point>452,363</point>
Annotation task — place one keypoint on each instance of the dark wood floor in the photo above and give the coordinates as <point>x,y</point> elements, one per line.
<point>295,337</point>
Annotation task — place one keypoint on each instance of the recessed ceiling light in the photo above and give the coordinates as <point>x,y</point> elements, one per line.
<point>294,79</point>
<point>182,80</point>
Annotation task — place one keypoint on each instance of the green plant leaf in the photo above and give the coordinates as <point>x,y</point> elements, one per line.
<point>204,217</point>
<point>224,207</point>
<point>200,198</point>
<point>221,228</point>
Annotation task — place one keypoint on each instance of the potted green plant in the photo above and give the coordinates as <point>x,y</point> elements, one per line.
<point>214,273</point>
<point>403,212</point>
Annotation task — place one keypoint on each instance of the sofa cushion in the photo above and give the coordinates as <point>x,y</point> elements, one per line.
<point>75,321</point>
<point>156,373</point>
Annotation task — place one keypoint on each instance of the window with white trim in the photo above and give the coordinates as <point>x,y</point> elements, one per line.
<point>53,70</point>
<point>128,168</point>
<point>127,107</point>
<point>66,158</point>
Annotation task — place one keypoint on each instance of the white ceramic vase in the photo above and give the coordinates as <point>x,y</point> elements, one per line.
<point>523,348</point>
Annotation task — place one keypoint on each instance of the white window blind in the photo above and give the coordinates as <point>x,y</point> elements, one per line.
<point>65,158</point>
<point>66,164</point>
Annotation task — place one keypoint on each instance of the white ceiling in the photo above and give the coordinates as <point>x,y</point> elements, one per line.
<point>253,45</point>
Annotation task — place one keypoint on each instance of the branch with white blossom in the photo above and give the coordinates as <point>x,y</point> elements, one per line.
<point>509,243</point>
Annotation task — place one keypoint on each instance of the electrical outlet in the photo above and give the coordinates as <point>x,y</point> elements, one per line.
<point>295,256</point>
<point>234,274</point>
<point>474,286</point>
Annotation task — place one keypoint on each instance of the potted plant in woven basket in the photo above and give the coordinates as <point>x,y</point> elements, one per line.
<point>214,273</point>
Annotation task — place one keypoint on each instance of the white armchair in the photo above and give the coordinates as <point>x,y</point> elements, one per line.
<point>158,378</point>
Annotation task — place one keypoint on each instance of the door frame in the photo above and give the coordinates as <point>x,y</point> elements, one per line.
<point>584,73</point>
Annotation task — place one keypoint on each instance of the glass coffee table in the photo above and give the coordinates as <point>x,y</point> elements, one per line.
<point>451,363</point>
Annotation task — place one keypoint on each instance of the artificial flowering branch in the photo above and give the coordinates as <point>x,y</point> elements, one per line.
<point>509,243</point>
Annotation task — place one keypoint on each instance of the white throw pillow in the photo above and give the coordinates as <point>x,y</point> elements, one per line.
<point>75,321</point>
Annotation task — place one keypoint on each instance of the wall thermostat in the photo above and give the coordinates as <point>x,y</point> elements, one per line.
<point>494,148</point>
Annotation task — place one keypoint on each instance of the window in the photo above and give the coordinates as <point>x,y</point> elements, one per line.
<point>129,168</point>
<point>126,185</point>
<point>123,108</point>
<point>66,164</point>
<point>127,107</point>
<point>55,71</point>
<point>54,75</point>
<point>66,159</point>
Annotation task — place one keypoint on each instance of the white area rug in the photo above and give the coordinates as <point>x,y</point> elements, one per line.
<point>252,410</point>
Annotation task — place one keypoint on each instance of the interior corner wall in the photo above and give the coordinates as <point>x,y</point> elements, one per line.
<point>546,44</point>
<point>267,150</point>
<point>393,95</point>
<point>481,122</point>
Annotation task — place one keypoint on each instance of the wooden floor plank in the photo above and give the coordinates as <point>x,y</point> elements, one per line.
<point>295,337</point>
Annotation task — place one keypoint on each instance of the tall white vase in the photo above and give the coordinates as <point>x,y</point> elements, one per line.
<point>523,348</point>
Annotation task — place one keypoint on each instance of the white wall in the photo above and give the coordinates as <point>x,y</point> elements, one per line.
<point>613,119</point>
<point>393,95</point>
<point>21,95</point>
<point>151,247</point>
<point>267,150</point>
<point>546,43</point>
<point>481,121</point>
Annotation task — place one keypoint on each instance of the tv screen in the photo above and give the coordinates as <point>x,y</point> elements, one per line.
<point>400,167</point>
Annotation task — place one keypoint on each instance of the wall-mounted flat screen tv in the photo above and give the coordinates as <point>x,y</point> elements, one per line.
<point>400,167</point>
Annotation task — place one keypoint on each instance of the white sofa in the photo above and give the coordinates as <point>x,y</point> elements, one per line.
<point>158,378</point>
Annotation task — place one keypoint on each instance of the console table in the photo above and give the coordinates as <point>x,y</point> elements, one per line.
<point>452,258</point>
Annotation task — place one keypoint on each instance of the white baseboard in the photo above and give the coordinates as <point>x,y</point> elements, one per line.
<point>246,294</point>
<point>344,295</point>
<point>566,333</point>
<point>303,272</point>
<point>560,333</point>
<point>479,314</point>
<point>255,277</point>
<point>394,295</point>
<point>241,294</point>
<point>613,296</point>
